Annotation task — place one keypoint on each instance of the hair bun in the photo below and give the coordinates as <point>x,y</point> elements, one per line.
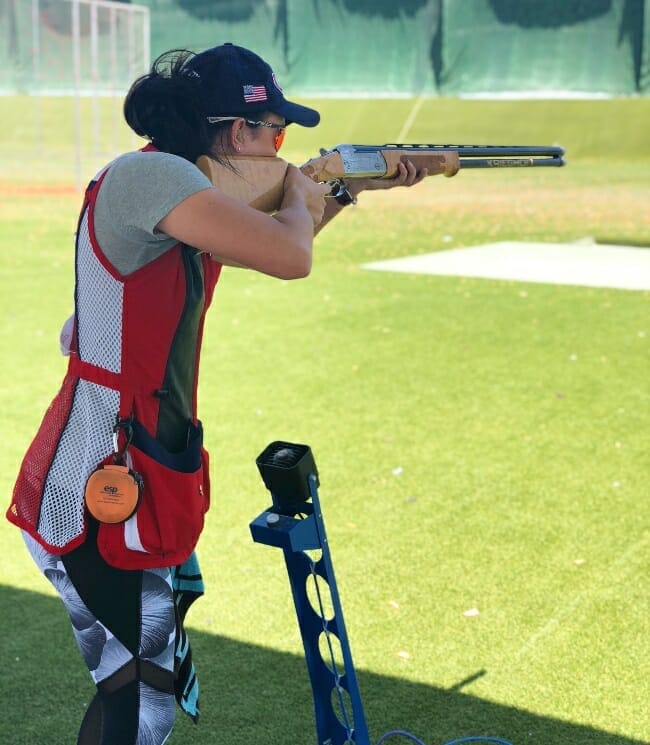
<point>165,106</point>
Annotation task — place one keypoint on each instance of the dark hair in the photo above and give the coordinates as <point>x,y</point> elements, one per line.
<point>166,106</point>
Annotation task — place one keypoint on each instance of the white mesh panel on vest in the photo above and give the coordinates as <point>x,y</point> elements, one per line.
<point>86,440</point>
<point>99,307</point>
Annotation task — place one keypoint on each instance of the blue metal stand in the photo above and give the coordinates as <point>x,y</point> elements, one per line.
<point>295,524</point>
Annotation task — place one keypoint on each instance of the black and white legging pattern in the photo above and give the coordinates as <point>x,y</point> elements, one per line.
<point>124,624</point>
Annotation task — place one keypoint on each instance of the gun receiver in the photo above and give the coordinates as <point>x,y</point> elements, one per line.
<point>258,181</point>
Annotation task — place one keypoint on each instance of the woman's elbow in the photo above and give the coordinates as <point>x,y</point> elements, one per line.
<point>297,269</point>
<point>297,273</point>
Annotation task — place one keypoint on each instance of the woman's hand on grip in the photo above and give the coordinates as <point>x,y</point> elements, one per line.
<point>299,188</point>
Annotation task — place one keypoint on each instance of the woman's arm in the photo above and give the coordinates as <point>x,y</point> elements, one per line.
<point>279,245</point>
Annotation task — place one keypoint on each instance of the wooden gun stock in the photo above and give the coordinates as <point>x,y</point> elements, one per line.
<point>259,181</point>
<point>255,180</point>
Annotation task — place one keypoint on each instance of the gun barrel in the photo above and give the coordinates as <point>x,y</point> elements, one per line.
<point>476,156</point>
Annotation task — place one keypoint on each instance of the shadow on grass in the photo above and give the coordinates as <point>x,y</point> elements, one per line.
<point>617,240</point>
<point>249,694</point>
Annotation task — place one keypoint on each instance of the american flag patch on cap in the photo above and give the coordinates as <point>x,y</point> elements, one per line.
<point>254,93</point>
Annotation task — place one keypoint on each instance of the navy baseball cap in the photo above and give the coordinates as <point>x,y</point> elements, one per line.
<point>236,82</point>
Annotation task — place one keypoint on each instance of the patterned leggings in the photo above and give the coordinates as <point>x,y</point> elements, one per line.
<point>124,623</point>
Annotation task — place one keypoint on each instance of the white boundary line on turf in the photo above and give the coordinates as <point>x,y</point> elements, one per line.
<point>415,110</point>
<point>565,610</point>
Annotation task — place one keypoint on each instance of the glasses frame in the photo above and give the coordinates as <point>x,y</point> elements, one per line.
<point>279,137</point>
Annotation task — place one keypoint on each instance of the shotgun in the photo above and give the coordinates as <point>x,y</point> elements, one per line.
<point>258,181</point>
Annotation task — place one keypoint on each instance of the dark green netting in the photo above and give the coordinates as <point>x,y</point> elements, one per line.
<point>572,46</point>
<point>369,47</point>
<point>427,47</point>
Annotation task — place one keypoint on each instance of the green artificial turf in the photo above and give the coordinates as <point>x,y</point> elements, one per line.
<point>482,449</point>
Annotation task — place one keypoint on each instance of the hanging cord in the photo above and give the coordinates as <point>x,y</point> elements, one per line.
<point>409,736</point>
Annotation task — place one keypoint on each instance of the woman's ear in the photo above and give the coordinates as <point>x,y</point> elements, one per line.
<point>237,134</point>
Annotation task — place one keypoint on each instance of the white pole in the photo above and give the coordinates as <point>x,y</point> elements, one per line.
<point>36,67</point>
<point>132,70</point>
<point>112,49</point>
<point>146,52</point>
<point>94,71</point>
<point>146,30</point>
<point>76,66</point>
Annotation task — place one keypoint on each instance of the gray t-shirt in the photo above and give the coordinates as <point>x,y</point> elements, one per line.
<point>137,192</point>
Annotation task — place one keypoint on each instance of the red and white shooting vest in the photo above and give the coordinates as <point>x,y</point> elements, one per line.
<point>135,352</point>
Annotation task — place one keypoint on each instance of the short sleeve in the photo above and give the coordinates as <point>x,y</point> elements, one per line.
<point>139,189</point>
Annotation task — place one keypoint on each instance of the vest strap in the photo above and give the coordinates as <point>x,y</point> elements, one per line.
<point>94,374</point>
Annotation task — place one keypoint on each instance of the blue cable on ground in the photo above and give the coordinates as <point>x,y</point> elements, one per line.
<point>410,736</point>
<point>478,738</point>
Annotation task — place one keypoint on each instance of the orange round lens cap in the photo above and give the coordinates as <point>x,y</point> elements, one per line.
<point>112,493</point>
